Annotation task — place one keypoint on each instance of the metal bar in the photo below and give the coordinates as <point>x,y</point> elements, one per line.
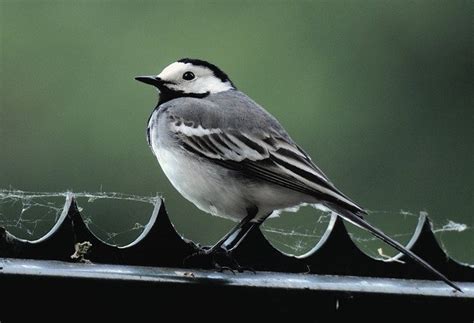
<point>261,280</point>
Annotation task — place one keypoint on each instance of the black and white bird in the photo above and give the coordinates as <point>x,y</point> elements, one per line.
<point>231,158</point>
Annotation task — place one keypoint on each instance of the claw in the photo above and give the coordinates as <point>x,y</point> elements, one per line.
<point>221,269</point>
<point>221,260</point>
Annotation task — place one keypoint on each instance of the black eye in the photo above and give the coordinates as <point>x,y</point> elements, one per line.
<point>188,76</point>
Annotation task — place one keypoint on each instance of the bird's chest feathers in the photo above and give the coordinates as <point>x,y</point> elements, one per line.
<point>191,178</point>
<point>152,131</point>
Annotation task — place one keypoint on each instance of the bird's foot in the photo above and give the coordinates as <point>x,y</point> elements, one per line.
<point>219,259</point>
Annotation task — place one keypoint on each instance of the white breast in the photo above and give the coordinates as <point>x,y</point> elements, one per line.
<point>199,182</point>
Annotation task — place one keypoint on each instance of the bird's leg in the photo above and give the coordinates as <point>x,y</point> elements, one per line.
<point>222,251</point>
<point>223,248</point>
<point>237,233</point>
<point>233,238</point>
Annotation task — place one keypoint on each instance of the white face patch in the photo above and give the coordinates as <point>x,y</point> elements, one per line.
<point>204,80</point>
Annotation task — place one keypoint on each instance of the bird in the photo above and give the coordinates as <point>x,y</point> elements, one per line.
<point>231,158</point>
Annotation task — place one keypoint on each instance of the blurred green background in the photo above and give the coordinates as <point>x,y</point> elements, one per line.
<point>379,93</point>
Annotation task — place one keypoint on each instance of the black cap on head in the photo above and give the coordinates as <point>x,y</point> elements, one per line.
<point>216,70</point>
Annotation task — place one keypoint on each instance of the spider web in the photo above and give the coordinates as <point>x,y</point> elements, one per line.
<point>400,225</point>
<point>119,218</point>
<point>30,215</point>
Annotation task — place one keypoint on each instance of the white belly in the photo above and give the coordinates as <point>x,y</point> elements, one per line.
<point>201,185</point>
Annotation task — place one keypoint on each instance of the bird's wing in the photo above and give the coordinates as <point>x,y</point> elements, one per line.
<point>267,156</point>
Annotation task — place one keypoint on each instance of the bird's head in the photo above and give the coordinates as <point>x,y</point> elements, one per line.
<point>188,78</point>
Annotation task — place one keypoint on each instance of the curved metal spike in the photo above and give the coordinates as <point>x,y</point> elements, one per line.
<point>257,252</point>
<point>158,245</point>
<point>336,253</point>
<point>99,251</point>
<point>57,244</point>
<point>425,245</point>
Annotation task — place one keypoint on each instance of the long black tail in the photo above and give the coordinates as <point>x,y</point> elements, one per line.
<point>360,222</point>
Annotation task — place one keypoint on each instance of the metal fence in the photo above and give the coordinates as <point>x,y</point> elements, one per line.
<point>72,264</point>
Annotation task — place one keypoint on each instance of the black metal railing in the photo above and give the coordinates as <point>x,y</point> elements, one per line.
<point>336,272</point>
<point>160,245</point>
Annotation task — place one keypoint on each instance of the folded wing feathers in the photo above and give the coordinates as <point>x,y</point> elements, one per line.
<point>288,165</point>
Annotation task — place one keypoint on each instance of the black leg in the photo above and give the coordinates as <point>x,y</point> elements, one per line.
<point>237,235</point>
<point>234,236</point>
<point>231,240</point>
<point>234,240</point>
<point>222,249</point>
<point>221,252</point>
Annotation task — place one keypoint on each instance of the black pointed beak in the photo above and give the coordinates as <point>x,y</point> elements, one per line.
<point>152,80</point>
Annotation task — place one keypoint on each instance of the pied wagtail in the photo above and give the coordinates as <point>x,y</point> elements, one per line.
<point>231,158</point>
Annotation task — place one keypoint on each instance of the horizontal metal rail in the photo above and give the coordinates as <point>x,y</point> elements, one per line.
<point>163,275</point>
<point>35,290</point>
